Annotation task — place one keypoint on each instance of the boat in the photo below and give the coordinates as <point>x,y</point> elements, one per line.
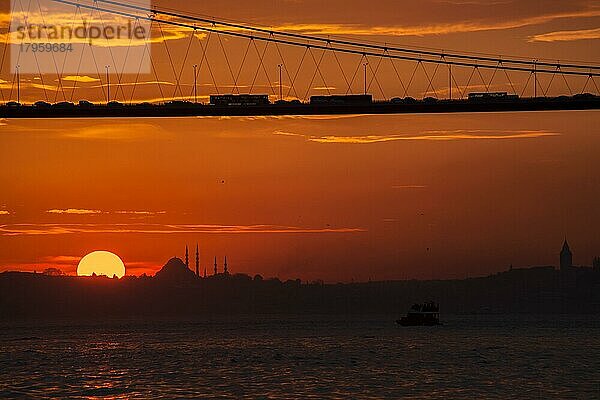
<point>426,314</point>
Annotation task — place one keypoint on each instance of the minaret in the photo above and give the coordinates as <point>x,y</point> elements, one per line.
<point>197,261</point>
<point>215,265</point>
<point>187,258</point>
<point>225,266</point>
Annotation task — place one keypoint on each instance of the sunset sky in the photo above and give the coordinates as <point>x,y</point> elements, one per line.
<point>544,30</point>
<point>333,198</point>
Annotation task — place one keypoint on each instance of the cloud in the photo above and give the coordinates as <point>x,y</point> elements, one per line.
<point>4,212</point>
<point>473,2</point>
<point>141,212</point>
<point>164,229</point>
<point>65,18</point>
<point>28,84</point>
<point>331,117</point>
<point>431,29</point>
<point>79,78</point>
<point>76,211</point>
<point>58,24</point>
<point>68,264</point>
<point>426,135</point>
<point>83,211</point>
<point>141,83</point>
<point>61,259</point>
<point>464,26</point>
<point>320,117</point>
<point>171,32</point>
<point>131,132</point>
<point>566,36</point>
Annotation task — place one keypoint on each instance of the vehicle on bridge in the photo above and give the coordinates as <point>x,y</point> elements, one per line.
<point>294,102</point>
<point>179,103</point>
<point>63,105</point>
<point>349,99</point>
<point>42,104</point>
<point>489,96</point>
<point>239,100</point>
<point>85,104</point>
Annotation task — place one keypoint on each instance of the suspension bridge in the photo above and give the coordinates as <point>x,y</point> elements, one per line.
<point>199,65</point>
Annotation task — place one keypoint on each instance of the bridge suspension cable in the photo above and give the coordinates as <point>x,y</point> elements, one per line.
<point>341,64</point>
<point>456,55</point>
<point>442,58</point>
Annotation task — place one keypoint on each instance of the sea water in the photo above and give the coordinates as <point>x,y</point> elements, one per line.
<point>320,357</point>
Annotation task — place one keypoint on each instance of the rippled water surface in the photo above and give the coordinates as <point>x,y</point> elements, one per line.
<point>468,357</point>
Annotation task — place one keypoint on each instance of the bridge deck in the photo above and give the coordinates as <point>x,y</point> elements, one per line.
<point>191,109</point>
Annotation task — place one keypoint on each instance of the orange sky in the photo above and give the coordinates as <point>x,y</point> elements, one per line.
<point>334,198</point>
<point>552,30</point>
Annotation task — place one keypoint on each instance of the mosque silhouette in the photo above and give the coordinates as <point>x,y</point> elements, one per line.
<point>177,269</point>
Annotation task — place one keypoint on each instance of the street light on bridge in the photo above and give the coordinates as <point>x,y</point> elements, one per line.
<point>366,65</point>
<point>107,84</point>
<point>195,84</point>
<point>280,83</point>
<point>18,83</point>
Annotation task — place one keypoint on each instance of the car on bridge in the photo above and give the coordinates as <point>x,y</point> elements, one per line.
<point>63,104</point>
<point>229,100</point>
<point>491,96</point>
<point>294,102</point>
<point>179,103</point>
<point>349,99</point>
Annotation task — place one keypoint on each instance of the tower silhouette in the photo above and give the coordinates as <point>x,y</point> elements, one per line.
<point>566,257</point>
<point>187,258</point>
<point>225,266</point>
<point>215,265</point>
<point>197,261</point>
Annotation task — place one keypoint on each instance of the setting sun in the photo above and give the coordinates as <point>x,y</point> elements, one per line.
<point>101,263</point>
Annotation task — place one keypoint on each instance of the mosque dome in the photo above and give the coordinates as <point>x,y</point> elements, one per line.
<point>175,270</point>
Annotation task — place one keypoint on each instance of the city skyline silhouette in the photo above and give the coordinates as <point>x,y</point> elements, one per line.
<point>299,199</point>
